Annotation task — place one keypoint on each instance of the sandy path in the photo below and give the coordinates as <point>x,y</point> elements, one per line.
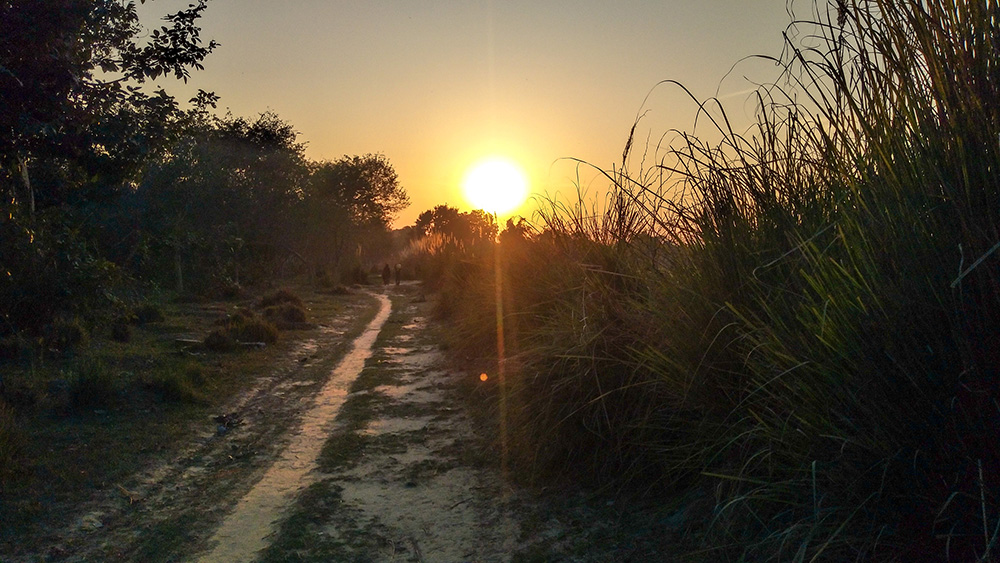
<point>416,491</point>
<point>244,532</point>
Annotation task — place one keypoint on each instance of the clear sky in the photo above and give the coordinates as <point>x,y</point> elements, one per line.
<point>435,85</point>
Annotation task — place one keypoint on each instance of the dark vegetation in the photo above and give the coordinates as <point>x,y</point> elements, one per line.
<point>795,328</point>
<point>129,222</point>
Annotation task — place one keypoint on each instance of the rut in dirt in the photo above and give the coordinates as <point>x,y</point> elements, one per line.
<point>244,532</point>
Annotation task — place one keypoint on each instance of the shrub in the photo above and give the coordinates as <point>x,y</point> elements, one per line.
<point>339,290</point>
<point>121,331</point>
<point>148,313</point>
<point>281,296</point>
<point>285,313</point>
<point>12,347</point>
<point>177,384</point>
<point>254,330</point>
<point>242,326</point>
<point>18,393</point>
<point>355,275</point>
<point>220,340</point>
<point>92,385</point>
<point>226,290</point>
<point>64,336</point>
<point>324,279</point>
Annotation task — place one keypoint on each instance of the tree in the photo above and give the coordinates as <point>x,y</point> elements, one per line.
<point>70,78</point>
<point>76,131</point>
<point>462,229</point>
<point>348,206</point>
<point>226,188</point>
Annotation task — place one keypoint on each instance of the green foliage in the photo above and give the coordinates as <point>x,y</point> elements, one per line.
<point>346,209</point>
<point>12,347</point>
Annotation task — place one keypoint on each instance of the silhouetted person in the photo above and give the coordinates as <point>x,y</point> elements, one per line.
<point>399,272</point>
<point>386,274</point>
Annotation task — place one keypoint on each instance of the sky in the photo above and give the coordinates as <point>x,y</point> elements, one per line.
<point>435,85</point>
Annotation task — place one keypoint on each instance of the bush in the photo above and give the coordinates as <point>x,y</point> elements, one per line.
<point>281,296</point>
<point>92,385</point>
<point>254,330</point>
<point>220,340</point>
<point>324,279</point>
<point>179,384</point>
<point>12,348</point>
<point>355,275</point>
<point>242,326</point>
<point>226,290</point>
<point>64,336</point>
<point>121,331</point>
<point>285,313</point>
<point>148,313</point>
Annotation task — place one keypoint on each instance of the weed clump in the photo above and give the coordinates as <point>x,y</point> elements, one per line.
<point>180,384</point>
<point>65,336</point>
<point>285,313</point>
<point>121,331</point>
<point>257,330</point>
<point>280,297</point>
<point>12,347</point>
<point>219,340</point>
<point>92,385</point>
<point>243,326</point>
<point>147,313</point>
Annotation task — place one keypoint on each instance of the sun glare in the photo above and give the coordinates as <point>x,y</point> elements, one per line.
<point>495,185</point>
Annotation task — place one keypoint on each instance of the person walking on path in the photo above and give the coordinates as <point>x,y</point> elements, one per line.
<point>386,274</point>
<point>399,272</point>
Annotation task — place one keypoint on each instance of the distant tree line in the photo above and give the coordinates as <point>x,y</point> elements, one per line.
<point>109,189</point>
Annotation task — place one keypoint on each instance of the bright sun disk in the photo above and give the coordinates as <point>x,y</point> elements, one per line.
<point>495,185</point>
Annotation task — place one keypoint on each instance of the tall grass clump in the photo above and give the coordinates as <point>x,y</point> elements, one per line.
<point>801,321</point>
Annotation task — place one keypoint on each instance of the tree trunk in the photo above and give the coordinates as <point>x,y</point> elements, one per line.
<point>178,269</point>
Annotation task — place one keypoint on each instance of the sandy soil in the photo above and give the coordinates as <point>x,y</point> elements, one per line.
<point>225,495</point>
<point>416,485</point>
<point>414,495</point>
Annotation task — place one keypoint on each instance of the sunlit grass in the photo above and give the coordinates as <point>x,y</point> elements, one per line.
<point>799,321</point>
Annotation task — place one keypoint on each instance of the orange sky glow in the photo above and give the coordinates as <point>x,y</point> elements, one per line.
<point>437,85</point>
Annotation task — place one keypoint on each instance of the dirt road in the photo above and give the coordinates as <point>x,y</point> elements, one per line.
<point>353,449</point>
<point>355,446</point>
<point>392,468</point>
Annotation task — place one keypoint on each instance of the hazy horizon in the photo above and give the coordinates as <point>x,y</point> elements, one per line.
<point>435,86</point>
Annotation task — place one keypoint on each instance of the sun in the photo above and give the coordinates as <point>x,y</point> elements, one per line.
<point>495,185</point>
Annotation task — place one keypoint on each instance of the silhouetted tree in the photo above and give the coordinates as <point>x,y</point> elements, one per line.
<point>76,129</point>
<point>348,207</point>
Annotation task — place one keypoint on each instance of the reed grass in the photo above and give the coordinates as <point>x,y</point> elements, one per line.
<point>801,320</point>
